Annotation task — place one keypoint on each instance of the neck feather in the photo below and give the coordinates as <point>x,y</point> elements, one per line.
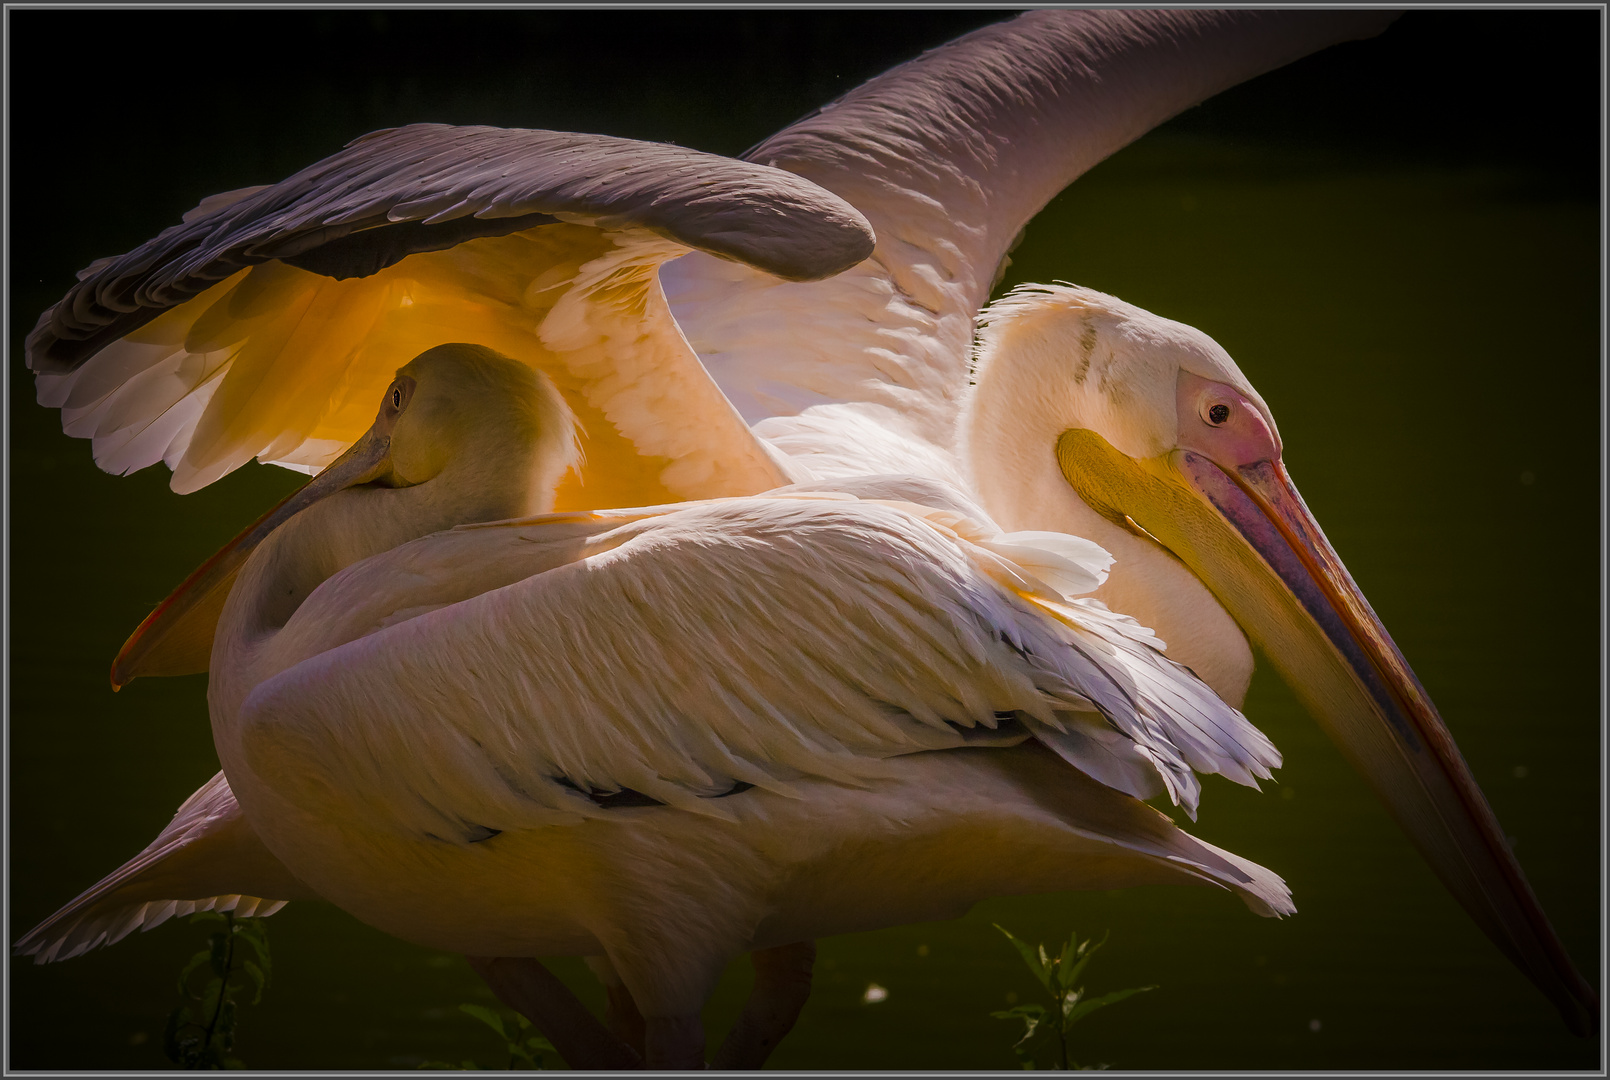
<point>345,529</point>
<point>1010,429</point>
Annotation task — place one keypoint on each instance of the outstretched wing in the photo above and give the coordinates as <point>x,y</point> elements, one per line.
<point>730,643</point>
<point>949,156</point>
<point>268,322</point>
<point>207,859</point>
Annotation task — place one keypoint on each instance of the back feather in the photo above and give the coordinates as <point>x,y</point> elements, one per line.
<point>750,641</point>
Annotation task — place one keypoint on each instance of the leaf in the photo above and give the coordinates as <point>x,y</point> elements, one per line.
<point>543,1052</point>
<point>485,1016</point>
<point>251,927</point>
<point>1090,1005</point>
<point>207,917</point>
<point>1065,962</point>
<point>1021,1012</point>
<point>254,933</point>
<point>258,979</point>
<point>189,969</point>
<point>1033,1024</point>
<point>209,997</point>
<point>1032,1039</point>
<point>1029,957</point>
<point>1086,952</point>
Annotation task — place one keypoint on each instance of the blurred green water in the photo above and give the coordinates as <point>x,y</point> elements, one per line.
<point>1426,333</point>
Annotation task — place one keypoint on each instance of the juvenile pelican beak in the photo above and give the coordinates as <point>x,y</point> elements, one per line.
<point>176,638</point>
<point>1245,532</point>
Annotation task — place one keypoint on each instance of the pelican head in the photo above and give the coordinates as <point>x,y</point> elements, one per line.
<point>1092,416</point>
<point>459,422</point>
<point>463,434</point>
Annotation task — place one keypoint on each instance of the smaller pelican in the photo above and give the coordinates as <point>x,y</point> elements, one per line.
<point>662,737</point>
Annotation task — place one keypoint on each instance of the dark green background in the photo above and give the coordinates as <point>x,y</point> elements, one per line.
<point>1399,242</point>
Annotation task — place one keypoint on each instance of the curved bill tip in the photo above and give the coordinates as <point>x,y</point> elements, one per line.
<point>176,638</point>
<point>1312,620</point>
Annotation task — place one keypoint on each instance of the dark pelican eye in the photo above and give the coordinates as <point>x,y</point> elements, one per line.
<point>396,397</point>
<point>1218,414</point>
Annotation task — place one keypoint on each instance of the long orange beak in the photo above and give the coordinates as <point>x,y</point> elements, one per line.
<point>1248,536</point>
<point>176,638</point>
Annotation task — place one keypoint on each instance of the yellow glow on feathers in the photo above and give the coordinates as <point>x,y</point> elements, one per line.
<point>308,356</point>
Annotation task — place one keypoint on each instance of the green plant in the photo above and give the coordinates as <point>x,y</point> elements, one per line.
<point>1047,1029</point>
<point>201,1029</point>
<point>527,1050</point>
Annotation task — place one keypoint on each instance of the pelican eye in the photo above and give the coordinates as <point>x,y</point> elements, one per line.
<point>396,397</point>
<point>1217,414</point>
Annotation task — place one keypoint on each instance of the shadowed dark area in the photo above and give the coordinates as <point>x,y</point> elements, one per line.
<point>1499,89</point>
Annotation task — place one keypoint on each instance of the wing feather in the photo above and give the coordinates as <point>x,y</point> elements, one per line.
<point>949,156</point>
<point>268,322</point>
<point>208,845</point>
<point>677,654</point>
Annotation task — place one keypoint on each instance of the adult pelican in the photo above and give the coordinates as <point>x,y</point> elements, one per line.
<point>665,737</point>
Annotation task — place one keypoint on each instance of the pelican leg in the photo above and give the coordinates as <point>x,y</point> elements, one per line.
<point>674,1042</point>
<point>621,1014</point>
<point>530,989</point>
<point>782,986</point>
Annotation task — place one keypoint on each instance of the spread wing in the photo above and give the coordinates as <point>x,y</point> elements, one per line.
<point>949,156</point>
<point>691,652</point>
<point>267,323</point>
<point>207,859</point>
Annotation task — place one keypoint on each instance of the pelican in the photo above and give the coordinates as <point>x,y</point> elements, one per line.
<point>858,406</point>
<point>421,728</point>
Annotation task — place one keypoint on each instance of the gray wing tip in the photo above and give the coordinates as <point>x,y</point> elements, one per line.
<point>829,240</point>
<point>425,187</point>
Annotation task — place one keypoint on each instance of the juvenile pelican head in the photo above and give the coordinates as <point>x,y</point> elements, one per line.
<point>467,433</point>
<point>464,424</point>
<point>1095,417</point>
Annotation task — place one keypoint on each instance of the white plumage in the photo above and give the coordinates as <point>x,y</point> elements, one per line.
<point>831,635</point>
<point>433,737</point>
